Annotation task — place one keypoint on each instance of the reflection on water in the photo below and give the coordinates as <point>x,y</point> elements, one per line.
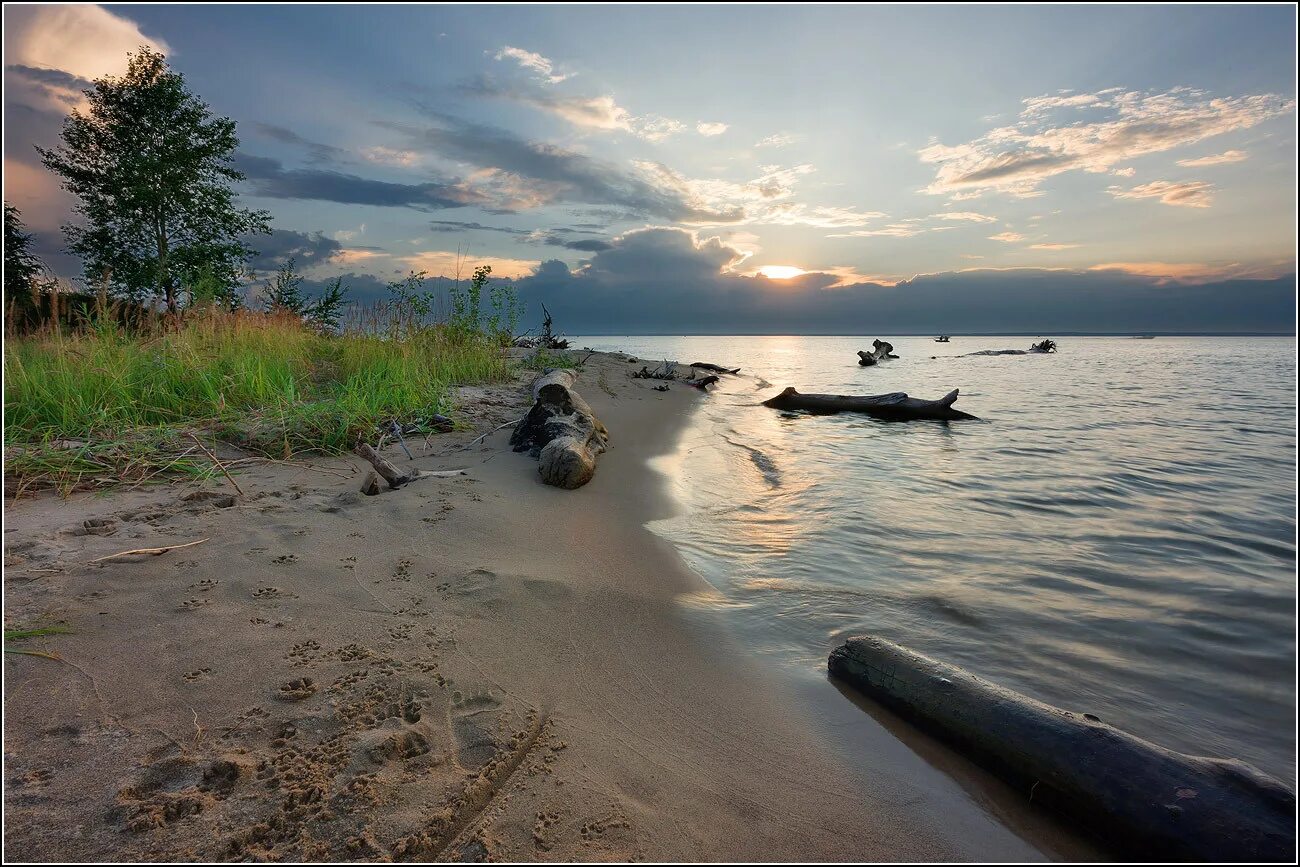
<point>1117,537</point>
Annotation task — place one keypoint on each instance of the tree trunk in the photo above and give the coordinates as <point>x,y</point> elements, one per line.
<point>561,431</point>
<point>395,477</point>
<point>1138,795</point>
<point>896,406</point>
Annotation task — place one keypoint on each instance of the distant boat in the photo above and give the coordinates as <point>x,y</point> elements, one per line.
<point>942,338</point>
<point>1144,337</point>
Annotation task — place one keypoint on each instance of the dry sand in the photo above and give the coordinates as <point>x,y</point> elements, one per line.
<point>468,668</point>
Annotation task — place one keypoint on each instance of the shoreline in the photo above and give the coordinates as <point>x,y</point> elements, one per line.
<point>464,668</point>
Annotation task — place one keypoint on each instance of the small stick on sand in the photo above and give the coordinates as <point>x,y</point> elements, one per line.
<point>219,464</point>
<point>151,551</point>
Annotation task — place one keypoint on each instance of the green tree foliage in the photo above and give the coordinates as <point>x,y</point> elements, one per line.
<point>284,291</point>
<point>152,171</point>
<point>326,311</point>
<point>23,271</point>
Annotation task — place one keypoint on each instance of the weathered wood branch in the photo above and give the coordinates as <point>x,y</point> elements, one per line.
<point>391,474</point>
<point>896,405</point>
<point>561,431</point>
<point>880,350</point>
<point>702,382</point>
<point>1146,798</point>
<point>715,368</point>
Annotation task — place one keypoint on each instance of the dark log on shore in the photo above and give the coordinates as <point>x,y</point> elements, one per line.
<point>704,365</point>
<point>1138,796</point>
<point>561,431</point>
<point>897,405</point>
<point>880,350</point>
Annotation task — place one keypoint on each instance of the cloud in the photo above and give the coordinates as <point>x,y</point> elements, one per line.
<point>1007,237</point>
<point>673,281</point>
<point>555,237</point>
<point>386,156</point>
<point>600,113</point>
<point>1053,246</point>
<point>540,66</point>
<point>964,216</point>
<point>1184,194</point>
<point>1128,124</point>
<point>777,140</point>
<point>444,263</point>
<point>522,174</point>
<point>85,41</point>
<point>269,178</point>
<point>1167,273</point>
<point>1214,160</point>
<point>306,248</point>
<point>317,152</point>
<point>707,129</point>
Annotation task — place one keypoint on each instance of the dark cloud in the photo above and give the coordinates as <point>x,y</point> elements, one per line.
<point>538,174</point>
<point>306,248</point>
<point>664,281</point>
<point>268,177</point>
<point>317,152</point>
<point>547,237</point>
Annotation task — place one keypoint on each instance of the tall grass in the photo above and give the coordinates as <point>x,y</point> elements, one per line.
<point>268,382</point>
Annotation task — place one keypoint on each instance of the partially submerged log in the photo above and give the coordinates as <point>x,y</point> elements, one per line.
<point>561,431</point>
<point>880,350</point>
<point>896,406</point>
<point>1042,347</point>
<point>702,382</point>
<point>1162,803</point>
<point>716,368</point>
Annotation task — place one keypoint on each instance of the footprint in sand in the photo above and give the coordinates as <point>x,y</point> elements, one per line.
<point>285,558</point>
<point>196,674</point>
<point>205,585</point>
<point>194,603</point>
<point>269,593</point>
<point>474,723</point>
<point>297,689</point>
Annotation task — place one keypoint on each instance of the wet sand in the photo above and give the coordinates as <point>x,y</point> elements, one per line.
<point>469,668</point>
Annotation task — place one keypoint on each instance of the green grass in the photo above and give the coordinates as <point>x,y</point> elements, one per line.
<point>125,398</point>
<point>16,634</point>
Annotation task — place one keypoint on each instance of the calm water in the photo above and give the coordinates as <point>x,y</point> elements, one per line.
<point>1118,535</point>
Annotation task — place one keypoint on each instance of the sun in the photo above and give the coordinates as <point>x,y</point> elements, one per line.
<point>780,272</point>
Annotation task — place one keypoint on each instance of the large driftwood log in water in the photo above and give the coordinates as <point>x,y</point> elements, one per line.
<point>897,406</point>
<point>1166,805</point>
<point>880,350</point>
<point>561,431</point>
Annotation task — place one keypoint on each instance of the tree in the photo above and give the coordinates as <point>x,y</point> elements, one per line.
<point>284,290</point>
<point>22,268</point>
<point>325,312</point>
<point>152,169</point>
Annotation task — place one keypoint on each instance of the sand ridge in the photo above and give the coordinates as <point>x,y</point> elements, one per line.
<point>475,667</point>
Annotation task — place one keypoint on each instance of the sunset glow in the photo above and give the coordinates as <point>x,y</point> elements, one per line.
<point>780,272</point>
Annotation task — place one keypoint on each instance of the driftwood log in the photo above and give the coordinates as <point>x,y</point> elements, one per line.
<point>715,368</point>
<point>1041,348</point>
<point>702,382</point>
<point>561,431</point>
<point>391,474</point>
<point>895,406</point>
<point>1143,797</point>
<point>880,350</point>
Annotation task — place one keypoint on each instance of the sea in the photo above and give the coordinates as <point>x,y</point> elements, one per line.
<point>1116,534</point>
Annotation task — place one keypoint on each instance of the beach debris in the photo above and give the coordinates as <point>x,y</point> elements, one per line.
<point>660,388</point>
<point>219,464</point>
<point>153,552</point>
<point>561,431</point>
<point>895,406</point>
<point>943,338</point>
<point>1040,348</point>
<point>880,350</point>
<point>666,370</point>
<point>715,368</point>
<point>1165,804</point>
<point>370,485</point>
<point>702,382</point>
<point>546,340</point>
<point>391,474</point>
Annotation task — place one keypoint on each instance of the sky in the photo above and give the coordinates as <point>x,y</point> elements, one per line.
<point>748,169</point>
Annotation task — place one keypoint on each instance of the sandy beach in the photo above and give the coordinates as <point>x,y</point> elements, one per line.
<point>473,667</point>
